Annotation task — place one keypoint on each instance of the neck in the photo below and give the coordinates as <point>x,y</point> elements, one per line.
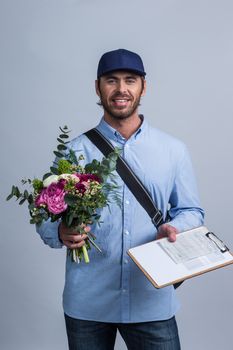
<point>126,127</point>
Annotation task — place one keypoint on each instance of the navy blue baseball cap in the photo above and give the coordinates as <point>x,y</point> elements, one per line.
<point>120,59</point>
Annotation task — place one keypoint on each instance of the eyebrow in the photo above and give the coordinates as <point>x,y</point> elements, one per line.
<point>109,76</point>
<point>112,76</point>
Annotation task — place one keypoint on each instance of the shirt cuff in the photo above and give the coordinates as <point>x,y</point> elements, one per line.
<point>48,232</point>
<point>187,221</point>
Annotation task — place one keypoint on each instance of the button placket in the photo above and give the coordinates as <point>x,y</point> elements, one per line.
<point>127,217</point>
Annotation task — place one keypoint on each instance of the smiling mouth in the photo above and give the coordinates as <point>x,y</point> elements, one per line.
<point>120,102</point>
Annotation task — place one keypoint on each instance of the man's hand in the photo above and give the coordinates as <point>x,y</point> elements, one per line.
<point>70,238</point>
<point>168,231</point>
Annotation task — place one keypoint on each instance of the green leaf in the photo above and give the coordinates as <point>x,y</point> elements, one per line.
<point>30,199</point>
<point>64,129</point>
<point>70,219</point>
<point>22,201</point>
<point>9,197</point>
<point>25,194</point>
<point>31,206</point>
<point>16,192</point>
<point>54,170</point>
<point>72,157</point>
<point>46,175</point>
<point>61,147</point>
<point>58,154</point>
<point>64,136</point>
<point>70,199</point>
<point>60,140</point>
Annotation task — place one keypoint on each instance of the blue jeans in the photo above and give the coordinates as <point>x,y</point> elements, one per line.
<point>91,335</point>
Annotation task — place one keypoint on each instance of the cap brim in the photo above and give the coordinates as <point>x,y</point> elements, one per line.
<point>123,69</point>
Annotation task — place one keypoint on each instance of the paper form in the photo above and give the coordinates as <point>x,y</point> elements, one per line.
<point>188,247</point>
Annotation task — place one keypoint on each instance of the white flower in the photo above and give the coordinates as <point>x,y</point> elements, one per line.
<point>68,177</point>
<point>49,180</point>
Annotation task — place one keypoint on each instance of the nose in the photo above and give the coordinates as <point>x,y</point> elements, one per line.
<point>122,88</point>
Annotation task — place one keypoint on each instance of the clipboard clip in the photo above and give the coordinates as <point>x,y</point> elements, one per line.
<point>222,247</point>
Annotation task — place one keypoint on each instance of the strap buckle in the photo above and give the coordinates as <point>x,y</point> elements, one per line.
<point>157,219</point>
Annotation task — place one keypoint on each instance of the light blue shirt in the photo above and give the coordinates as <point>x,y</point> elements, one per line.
<point>111,288</point>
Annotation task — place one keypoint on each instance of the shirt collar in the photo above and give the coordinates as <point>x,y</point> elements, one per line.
<point>112,134</point>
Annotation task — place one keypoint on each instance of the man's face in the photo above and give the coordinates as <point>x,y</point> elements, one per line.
<point>120,93</point>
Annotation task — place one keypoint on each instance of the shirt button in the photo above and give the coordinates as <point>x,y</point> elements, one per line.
<point>126,261</point>
<point>124,290</point>
<point>126,232</point>
<point>127,202</point>
<point>127,146</point>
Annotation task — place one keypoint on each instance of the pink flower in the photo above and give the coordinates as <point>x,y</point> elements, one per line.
<point>55,200</point>
<point>41,198</point>
<point>86,177</point>
<point>94,177</point>
<point>80,187</point>
<point>56,203</point>
<point>53,197</point>
<point>55,188</point>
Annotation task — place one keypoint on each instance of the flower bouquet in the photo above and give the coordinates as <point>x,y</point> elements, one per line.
<point>71,193</point>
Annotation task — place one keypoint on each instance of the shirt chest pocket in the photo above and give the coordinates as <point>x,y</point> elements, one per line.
<point>102,233</point>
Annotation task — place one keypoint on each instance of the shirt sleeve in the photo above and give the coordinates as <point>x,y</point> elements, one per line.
<point>185,211</point>
<point>48,232</point>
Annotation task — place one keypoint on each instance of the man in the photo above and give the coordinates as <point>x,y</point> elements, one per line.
<point>111,293</point>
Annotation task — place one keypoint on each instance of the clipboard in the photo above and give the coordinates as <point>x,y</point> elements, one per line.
<point>195,252</point>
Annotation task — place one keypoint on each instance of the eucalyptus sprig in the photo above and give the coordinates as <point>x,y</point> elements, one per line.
<point>60,151</point>
<point>21,196</point>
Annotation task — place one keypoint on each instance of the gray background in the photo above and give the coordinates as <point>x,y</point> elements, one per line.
<point>49,54</point>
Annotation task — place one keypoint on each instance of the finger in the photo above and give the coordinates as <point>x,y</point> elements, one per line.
<point>73,238</point>
<point>162,232</point>
<point>63,229</point>
<point>71,232</point>
<point>168,231</point>
<point>172,236</point>
<point>73,245</point>
<point>78,238</point>
<point>87,229</point>
<point>161,235</point>
<point>77,245</point>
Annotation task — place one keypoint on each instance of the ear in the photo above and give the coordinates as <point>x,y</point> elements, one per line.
<point>144,88</point>
<point>97,88</point>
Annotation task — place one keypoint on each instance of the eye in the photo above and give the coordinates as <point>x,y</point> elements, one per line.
<point>111,80</point>
<point>131,80</point>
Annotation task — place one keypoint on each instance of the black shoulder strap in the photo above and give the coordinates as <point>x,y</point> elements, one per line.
<point>128,176</point>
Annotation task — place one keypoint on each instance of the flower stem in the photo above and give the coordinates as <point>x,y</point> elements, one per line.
<point>85,254</point>
<point>75,255</point>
